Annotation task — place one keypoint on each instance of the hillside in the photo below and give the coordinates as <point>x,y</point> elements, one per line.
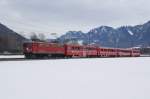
<point>10,41</point>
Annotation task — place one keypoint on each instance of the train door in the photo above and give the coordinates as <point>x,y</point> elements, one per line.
<point>35,47</point>
<point>84,51</point>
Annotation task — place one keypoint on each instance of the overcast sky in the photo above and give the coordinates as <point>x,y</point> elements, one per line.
<point>50,16</point>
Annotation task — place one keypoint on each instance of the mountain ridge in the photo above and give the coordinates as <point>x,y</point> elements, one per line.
<point>123,36</point>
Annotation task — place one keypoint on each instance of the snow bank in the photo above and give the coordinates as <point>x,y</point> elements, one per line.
<point>104,78</point>
<point>11,56</point>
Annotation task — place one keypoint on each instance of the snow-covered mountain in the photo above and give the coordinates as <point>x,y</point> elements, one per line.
<point>73,36</point>
<point>124,36</point>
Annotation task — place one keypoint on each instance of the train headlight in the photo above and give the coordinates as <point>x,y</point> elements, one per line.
<point>28,49</point>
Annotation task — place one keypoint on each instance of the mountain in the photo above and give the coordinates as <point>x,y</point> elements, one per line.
<point>123,37</point>
<point>10,41</point>
<point>73,35</point>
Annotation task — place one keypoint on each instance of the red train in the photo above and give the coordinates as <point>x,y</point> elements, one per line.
<point>45,50</point>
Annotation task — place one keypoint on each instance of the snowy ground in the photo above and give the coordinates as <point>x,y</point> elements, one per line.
<point>104,78</point>
<point>11,56</point>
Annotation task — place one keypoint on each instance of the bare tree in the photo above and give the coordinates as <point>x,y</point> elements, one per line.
<point>34,37</point>
<point>41,36</point>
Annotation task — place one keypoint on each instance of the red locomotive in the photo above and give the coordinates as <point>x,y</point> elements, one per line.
<point>45,49</point>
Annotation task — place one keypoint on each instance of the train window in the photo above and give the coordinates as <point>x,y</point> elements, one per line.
<point>40,44</point>
<point>76,48</point>
<point>91,48</point>
<point>27,44</point>
<point>73,48</point>
<point>88,48</point>
<point>47,45</point>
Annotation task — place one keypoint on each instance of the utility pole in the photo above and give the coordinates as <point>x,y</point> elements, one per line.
<point>89,39</point>
<point>132,43</point>
<point>55,36</point>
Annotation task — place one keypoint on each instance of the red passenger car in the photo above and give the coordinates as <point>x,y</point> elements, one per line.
<point>135,53</point>
<point>74,51</point>
<point>91,51</point>
<point>107,52</point>
<point>124,52</point>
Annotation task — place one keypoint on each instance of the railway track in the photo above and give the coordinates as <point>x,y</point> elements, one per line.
<point>12,59</point>
<point>24,59</point>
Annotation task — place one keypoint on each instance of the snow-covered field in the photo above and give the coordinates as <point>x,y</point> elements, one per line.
<point>104,78</point>
<point>11,56</point>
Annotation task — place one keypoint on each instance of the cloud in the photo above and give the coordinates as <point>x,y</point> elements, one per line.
<point>64,15</point>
